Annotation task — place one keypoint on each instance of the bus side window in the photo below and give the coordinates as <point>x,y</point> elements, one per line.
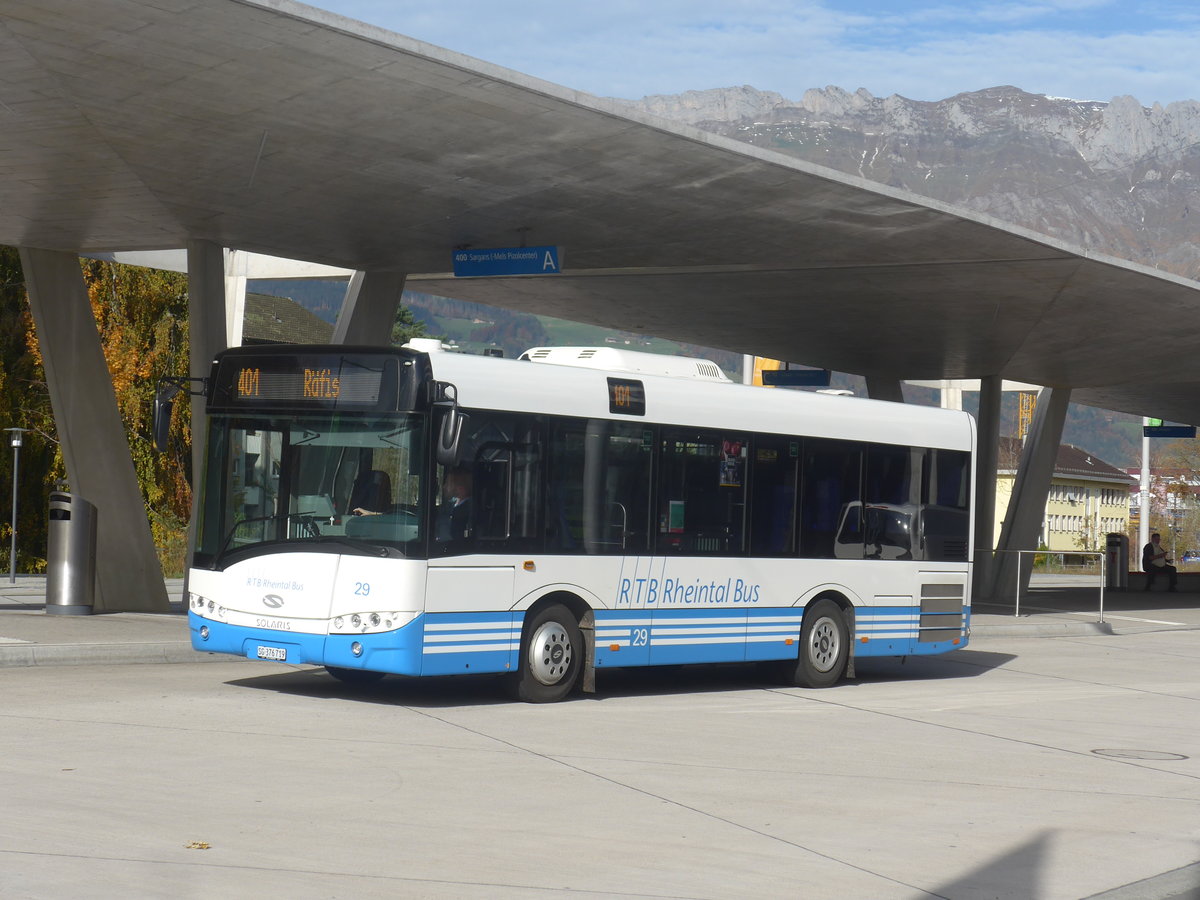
<point>830,524</point>
<point>773,495</point>
<point>613,507</point>
<point>945,516</point>
<point>702,493</point>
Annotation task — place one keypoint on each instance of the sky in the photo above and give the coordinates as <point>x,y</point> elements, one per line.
<point>923,50</point>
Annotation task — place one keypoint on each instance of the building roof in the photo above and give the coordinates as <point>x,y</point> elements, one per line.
<point>281,320</point>
<point>271,126</point>
<point>1071,462</point>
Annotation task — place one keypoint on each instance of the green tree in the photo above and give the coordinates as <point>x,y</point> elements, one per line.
<point>407,326</point>
<point>25,403</point>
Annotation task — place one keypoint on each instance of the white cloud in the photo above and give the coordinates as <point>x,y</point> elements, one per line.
<point>1083,48</point>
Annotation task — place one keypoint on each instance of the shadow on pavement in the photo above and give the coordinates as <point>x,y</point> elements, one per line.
<point>482,690</point>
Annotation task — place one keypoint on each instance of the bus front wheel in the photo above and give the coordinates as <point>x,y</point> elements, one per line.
<point>551,656</point>
<point>824,646</point>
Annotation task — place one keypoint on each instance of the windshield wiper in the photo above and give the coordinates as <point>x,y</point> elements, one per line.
<point>364,546</point>
<point>311,534</point>
<point>307,520</point>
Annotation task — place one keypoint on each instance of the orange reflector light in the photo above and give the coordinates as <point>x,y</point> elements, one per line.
<point>864,639</point>
<point>789,641</point>
<point>955,641</point>
<point>529,566</point>
<point>614,647</point>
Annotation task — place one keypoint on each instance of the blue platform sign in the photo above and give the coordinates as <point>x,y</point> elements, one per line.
<point>1169,431</point>
<point>473,263</point>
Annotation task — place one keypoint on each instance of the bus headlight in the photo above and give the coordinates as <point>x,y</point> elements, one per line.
<point>369,622</point>
<point>356,648</point>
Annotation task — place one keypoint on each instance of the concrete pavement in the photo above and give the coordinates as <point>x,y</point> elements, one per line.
<point>1055,606</point>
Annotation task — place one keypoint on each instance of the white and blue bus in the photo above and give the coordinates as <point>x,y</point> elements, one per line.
<point>393,510</point>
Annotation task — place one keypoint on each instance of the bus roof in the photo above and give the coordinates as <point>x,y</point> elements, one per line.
<point>583,391</point>
<point>614,359</point>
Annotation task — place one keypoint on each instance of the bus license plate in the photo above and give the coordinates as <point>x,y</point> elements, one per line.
<point>278,653</point>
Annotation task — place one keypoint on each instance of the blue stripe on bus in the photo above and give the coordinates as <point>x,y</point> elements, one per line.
<point>687,635</point>
<point>456,643</point>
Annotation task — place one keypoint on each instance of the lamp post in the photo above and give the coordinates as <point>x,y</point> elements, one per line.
<point>15,435</point>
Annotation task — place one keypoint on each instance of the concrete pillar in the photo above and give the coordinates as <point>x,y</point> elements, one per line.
<point>369,311</point>
<point>94,444</point>
<point>885,389</point>
<point>951,395</point>
<point>236,263</point>
<point>987,458</point>
<point>1027,507</point>
<point>208,335</point>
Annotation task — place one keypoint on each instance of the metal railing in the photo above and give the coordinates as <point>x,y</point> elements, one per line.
<point>1031,566</point>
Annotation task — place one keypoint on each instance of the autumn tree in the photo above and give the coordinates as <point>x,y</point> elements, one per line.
<point>141,317</point>
<point>25,403</point>
<point>1174,485</point>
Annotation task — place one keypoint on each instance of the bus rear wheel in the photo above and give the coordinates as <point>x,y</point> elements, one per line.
<point>551,656</point>
<point>824,646</point>
<point>354,676</point>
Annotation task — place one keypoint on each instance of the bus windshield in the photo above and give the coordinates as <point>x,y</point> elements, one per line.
<point>350,483</point>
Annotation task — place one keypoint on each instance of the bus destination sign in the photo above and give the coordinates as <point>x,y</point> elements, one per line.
<point>626,396</point>
<point>315,384</point>
<point>297,381</point>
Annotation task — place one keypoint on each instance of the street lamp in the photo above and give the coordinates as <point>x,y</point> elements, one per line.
<point>15,436</point>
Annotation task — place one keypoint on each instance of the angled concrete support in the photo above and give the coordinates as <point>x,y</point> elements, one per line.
<point>94,444</point>
<point>885,389</point>
<point>236,268</point>
<point>208,333</point>
<point>369,310</point>
<point>1027,507</point>
<point>987,458</point>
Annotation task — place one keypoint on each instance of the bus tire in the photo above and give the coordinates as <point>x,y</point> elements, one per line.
<point>354,676</point>
<point>824,646</point>
<point>551,656</point>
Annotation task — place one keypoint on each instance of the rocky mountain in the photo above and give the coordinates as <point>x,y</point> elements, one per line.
<point>1114,177</point>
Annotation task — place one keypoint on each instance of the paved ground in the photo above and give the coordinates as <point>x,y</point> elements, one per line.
<point>1056,606</point>
<point>1061,767</point>
<point>1053,758</point>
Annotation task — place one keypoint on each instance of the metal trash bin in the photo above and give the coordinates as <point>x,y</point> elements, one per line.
<point>1116,561</point>
<point>70,556</point>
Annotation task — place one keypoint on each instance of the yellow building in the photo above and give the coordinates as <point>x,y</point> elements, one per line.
<point>1088,498</point>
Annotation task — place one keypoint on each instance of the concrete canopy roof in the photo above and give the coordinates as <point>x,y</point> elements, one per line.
<point>275,127</point>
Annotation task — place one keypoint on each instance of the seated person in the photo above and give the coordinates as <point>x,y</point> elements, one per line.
<point>453,521</point>
<point>1155,562</point>
<point>371,494</point>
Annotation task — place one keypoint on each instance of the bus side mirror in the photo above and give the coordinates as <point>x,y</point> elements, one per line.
<point>164,403</point>
<point>449,437</point>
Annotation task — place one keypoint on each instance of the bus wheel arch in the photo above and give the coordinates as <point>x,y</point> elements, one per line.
<point>554,653</point>
<point>826,653</point>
